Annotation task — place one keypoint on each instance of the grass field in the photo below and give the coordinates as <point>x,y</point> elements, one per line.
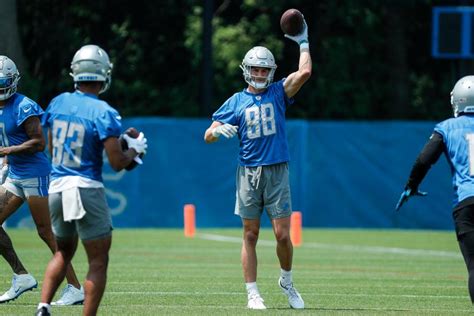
<point>338,272</point>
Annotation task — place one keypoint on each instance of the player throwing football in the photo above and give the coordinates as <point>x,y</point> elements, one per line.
<point>257,116</point>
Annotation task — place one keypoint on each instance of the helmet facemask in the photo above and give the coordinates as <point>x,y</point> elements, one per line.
<point>9,77</point>
<point>258,57</point>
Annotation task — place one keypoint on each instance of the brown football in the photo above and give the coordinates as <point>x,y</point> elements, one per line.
<point>291,22</point>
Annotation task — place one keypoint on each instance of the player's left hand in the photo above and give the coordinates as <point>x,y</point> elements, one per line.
<point>302,37</point>
<point>406,195</point>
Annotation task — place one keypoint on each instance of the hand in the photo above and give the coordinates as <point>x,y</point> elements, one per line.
<point>3,174</point>
<point>139,144</point>
<point>406,195</point>
<point>302,37</point>
<point>226,129</point>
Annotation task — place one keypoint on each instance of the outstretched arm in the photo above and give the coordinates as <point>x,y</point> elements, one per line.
<point>295,80</point>
<point>427,157</point>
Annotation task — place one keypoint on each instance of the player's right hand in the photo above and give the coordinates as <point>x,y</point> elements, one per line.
<point>227,130</point>
<point>139,144</point>
<point>406,194</point>
<point>302,37</point>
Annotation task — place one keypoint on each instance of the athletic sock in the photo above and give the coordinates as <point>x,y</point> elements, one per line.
<point>252,288</point>
<point>48,307</point>
<point>286,277</point>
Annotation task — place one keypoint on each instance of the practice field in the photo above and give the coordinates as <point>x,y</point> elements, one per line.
<point>338,272</point>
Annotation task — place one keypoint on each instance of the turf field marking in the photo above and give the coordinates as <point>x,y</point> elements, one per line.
<point>347,248</point>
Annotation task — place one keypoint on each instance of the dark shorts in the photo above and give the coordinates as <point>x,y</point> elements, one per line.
<point>464,220</point>
<point>96,224</point>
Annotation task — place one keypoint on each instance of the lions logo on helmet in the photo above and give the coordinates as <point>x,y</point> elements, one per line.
<point>462,96</point>
<point>9,77</point>
<point>91,63</point>
<point>258,56</point>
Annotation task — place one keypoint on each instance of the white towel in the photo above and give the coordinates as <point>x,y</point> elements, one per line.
<point>72,205</point>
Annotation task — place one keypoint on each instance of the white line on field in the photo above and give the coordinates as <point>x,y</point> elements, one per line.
<point>347,248</point>
<point>147,293</point>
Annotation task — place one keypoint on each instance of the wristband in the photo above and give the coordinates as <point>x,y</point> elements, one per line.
<point>304,44</point>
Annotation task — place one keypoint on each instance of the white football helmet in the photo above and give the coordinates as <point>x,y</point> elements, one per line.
<point>9,77</point>
<point>462,96</point>
<point>91,63</point>
<point>258,56</point>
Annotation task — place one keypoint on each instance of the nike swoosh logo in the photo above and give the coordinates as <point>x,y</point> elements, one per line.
<point>27,109</point>
<point>16,291</point>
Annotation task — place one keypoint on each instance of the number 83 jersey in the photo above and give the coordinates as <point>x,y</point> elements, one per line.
<point>12,116</point>
<point>261,124</point>
<point>79,123</point>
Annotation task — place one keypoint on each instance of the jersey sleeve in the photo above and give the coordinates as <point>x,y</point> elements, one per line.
<point>47,114</point>
<point>226,113</point>
<point>428,156</point>
<point>26,109</point>
<point>109,124</point>
<point>281,91</point>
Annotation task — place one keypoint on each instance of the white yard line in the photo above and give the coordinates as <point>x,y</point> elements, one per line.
<point>346,248</point>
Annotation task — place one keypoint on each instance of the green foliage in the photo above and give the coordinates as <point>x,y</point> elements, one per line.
<point>371,60</point>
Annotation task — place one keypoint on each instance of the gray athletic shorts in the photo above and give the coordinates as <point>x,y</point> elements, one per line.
<point>24,188</point>
<point>263,187</point>
<point>96,224</point>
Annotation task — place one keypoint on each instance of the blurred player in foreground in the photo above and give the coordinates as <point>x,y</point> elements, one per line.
<point>22,140</point>
<point>455,138</point>
<point>80,127</point>
<point>257,115</point>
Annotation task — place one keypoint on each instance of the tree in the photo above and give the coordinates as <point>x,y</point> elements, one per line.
<point>10,45</point>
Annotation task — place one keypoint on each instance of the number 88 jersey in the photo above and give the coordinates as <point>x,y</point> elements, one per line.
<point>79,124</point>
<point>261,121</point>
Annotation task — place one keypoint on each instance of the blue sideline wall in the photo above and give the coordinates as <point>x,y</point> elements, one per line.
<point>343,174</point>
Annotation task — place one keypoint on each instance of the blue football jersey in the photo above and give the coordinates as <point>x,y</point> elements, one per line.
<point>458,136</point>
<point>79,124</point>
<point>261,124</point>
<point>15,112</point>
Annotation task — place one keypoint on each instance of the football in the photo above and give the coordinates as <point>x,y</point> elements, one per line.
<point>291,22</point>
<point>132,132</point>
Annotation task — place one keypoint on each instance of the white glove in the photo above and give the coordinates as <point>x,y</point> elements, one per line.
<point>226,129</point>
<point>302,37</point>
<point>3,174</point>
<point>139,144</point>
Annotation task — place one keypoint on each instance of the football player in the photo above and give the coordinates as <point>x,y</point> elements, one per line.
<point>257,116</point>
<point>455,138</point>
<point>80,126</point>
<point>22,140</point>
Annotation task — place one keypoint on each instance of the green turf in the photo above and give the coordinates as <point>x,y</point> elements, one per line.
<point>338,272</point>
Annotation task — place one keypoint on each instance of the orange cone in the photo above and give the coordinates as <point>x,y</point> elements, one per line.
<point>189,220</point>
<point>296,229</point>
